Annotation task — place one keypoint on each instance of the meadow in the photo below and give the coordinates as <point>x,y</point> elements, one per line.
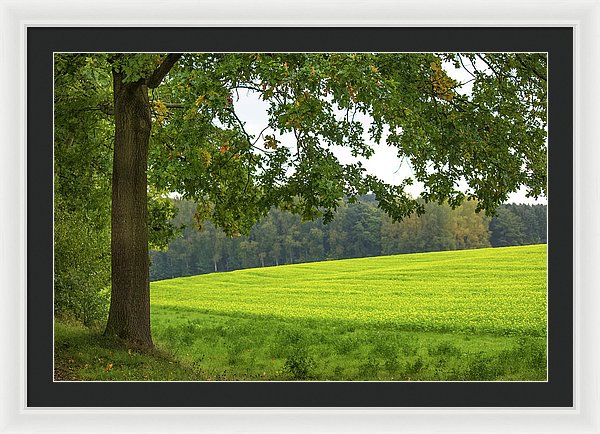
<point>471,315</point>
<point>462,315</point>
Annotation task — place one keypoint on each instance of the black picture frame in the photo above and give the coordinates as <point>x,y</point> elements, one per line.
<point>42,391</point>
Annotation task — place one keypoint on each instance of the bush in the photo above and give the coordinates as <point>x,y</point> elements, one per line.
<point>81,268</point>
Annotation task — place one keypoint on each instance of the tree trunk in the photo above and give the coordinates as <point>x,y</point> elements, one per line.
<point>129,314</point>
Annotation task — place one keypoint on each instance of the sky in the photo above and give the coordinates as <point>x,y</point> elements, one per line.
<point>384,163</point>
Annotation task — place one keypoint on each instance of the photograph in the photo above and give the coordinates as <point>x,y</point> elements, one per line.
<point>292,216</point>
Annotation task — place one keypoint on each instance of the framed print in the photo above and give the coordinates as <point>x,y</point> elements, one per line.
<point>263,348</point>
<point>547,382</point>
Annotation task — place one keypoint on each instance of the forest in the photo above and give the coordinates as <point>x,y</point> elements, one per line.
<point>359,229</point>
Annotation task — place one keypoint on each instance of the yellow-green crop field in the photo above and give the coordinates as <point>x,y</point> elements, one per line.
<point>487,290</point>
<point>460,315</point>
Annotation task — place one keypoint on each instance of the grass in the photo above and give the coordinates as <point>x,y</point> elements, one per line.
<point>223,347</point>
<point>82,353</point>
<point>462,315</point>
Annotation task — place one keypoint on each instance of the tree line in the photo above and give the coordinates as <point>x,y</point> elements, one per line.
<point>358,230</point>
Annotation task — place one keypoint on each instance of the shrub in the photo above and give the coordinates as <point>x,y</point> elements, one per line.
<point>81,268</point>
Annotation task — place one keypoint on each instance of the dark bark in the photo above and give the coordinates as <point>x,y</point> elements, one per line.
<point>164,68</point>
<point>129,314</point>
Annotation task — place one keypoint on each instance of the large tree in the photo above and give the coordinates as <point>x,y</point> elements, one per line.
<point>176,129</point>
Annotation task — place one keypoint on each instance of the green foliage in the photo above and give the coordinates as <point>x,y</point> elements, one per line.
<point>439,228</point>
<point>356,231</point>
<point>83,136</point>
<point>135,66</point>
<point>507,228</point>
<point>82,267</point>
<point>82,167</point>
<point>161,230</point>
<point>519,225</point>
<point>494,139</point>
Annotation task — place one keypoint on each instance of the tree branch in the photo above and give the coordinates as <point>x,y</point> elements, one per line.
<point>530,68</point>
<point>484,60</point>
<point>164,68</point>
<point>465,68</point>
<point>241,125</point>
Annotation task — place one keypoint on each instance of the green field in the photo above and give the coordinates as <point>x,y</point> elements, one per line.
<point>460,315</point>
<point>442,315</point>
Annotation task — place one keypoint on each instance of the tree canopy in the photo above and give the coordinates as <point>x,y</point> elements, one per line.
<point>493,140</point>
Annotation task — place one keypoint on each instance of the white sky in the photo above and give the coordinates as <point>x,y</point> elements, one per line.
<point>384,163</point>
